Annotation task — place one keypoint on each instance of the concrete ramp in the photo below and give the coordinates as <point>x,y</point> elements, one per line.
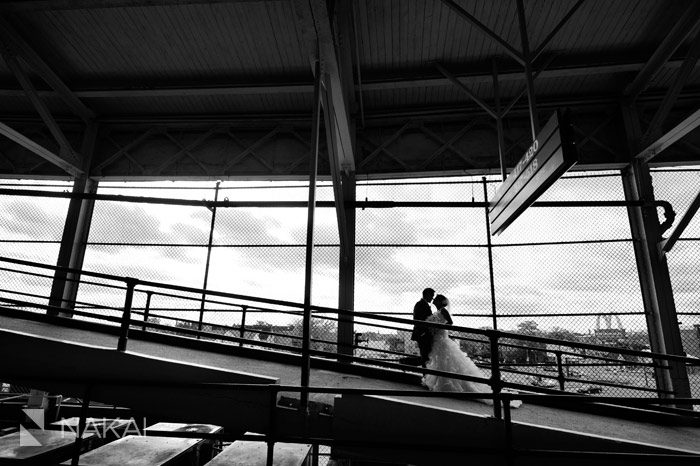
<point>395,426</point>
<point>123,378</point>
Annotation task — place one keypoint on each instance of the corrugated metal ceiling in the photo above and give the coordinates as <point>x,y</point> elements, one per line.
<point>253,42</point>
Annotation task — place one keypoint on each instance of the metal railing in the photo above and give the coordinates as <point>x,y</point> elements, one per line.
<point>502,374</point>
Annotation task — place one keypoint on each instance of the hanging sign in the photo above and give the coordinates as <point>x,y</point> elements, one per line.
<point>551,154</point>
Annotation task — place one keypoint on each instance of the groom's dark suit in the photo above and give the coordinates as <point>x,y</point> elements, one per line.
<point>421,334</point>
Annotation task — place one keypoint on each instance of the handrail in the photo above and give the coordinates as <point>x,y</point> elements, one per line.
<point>486,332</point>
<point>331,356</point>
<point>495,381</point>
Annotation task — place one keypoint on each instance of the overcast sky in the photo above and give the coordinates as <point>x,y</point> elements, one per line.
<point>571,278</point>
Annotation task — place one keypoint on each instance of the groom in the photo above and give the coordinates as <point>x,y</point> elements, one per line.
<point>421,334</point>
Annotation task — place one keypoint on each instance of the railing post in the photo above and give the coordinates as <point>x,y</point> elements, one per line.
<point>560,371</point>
<point>314,454</point>
<point>242,329</point>
<point>508,427</point>
<point>495,375</point>
<point>147,309</point>
<point>273,426</point>
<point>126,317</point>
<point>81,426</point>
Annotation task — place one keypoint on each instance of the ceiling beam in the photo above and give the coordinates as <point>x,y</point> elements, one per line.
<point>67,151</point>
<point>540,48</point>
<point>43,5</point>
<point>685,24</point>
<point>369,83</point>
<point>464,14</point>
<point>654,129</point>
<point>39,150</point>
<point>17,45</point>
<point>668,139</point>
<point>453,79</point>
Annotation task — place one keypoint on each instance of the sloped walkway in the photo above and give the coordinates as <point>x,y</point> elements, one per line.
<point>676,437</point>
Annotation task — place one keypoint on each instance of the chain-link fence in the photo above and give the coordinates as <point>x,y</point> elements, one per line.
<point>558,272</point>
<point>562,273</point>
<point>247,251</point>
<point>31,230</point>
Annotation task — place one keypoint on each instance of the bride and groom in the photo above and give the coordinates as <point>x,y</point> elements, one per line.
<point>439,352</point>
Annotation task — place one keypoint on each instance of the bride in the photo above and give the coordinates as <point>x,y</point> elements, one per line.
<point>447,356</point>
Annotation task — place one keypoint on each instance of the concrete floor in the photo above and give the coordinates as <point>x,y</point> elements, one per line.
<point>683,438</point>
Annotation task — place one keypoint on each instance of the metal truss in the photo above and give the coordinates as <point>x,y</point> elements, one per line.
<point>217,152</point>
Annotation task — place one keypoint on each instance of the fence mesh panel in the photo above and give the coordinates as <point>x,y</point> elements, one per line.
<point>31,230</point>
<point>562,273</point>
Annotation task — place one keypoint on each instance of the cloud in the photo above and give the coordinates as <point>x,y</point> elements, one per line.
<point>33,219</point>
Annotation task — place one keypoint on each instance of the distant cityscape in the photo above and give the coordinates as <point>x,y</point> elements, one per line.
<point>390,345</point>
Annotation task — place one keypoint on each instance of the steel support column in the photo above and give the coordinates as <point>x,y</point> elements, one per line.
<point>346,270</point>
<point>654,277</point>
<point>75,229</point>
<point>308,270</point>
<point>82,231</point>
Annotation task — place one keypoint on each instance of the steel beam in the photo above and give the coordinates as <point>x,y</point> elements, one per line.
<point>517,56</point>
<point>75,231</point>
<point>67,151</point>
<point>556,29</point>
<point>308,269</point>
<point>453,79</point>
<point>373,83</point>
<point>14,42</point>
<point>668,139</point>
<point>346,269</point>
<point>184,150</point>
<point>681,79</point>
<point>652,266</point>
<point>48,5</point>
<point>39,150</point>
<point>664,51</point>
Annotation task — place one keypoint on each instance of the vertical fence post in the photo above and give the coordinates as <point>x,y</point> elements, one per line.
<point>147,309</point>
<point>560,371</point>
<point>495,374</point>
<point>126,317</point>
<point>490,250</point>
<point>308,275</point>
<point>206,267</point>
<point>242,329</point>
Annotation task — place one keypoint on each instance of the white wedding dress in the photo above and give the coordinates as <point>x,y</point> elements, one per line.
<point>447,356</point>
